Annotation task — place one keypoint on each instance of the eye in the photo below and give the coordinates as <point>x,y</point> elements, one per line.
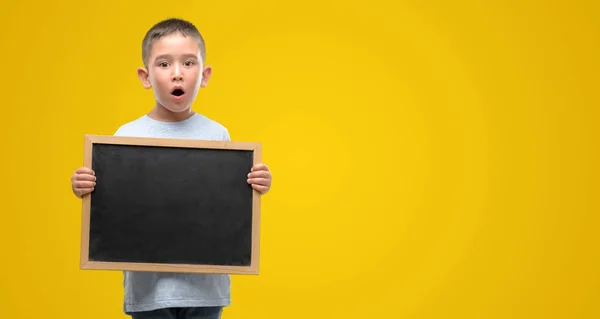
<point>188,63</point>
<point>163,64</point>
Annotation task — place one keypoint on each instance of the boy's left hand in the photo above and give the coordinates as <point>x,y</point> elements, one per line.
<point>260,178</point>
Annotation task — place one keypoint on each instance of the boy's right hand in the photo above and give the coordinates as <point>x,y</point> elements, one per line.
<point>83,181</point>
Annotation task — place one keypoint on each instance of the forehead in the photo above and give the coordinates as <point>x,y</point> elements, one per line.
<point>175,44</point>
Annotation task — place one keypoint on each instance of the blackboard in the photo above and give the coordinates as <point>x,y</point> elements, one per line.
<point>170,205</point>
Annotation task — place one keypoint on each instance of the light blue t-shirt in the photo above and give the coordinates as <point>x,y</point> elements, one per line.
<point>146,291</point>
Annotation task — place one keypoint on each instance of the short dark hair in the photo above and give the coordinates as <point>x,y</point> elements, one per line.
<point>168,27</point>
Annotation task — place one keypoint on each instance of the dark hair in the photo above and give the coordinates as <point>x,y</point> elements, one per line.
<point>168,27</point>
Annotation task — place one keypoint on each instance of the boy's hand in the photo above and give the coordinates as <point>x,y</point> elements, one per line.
<point>83,181</point>
<point>260,178</point>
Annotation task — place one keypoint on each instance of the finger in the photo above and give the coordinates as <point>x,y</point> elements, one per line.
<point>259,181</point>
<point>263,174</point>
<point>260,188</point>
<point>84,184</point>
<point>82,191</point>
<point>259,167</point>
<point>84,177</point>
<point>85,170</point>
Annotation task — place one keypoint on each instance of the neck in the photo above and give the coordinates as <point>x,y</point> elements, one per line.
<point>160,113</point>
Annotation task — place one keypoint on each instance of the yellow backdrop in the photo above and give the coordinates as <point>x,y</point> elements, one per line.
<point>431,159</point>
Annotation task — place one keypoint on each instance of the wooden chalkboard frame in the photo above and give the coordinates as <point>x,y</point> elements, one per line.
<point>87,264</point>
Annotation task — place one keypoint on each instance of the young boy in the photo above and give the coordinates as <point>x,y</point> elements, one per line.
<point>173,53</point>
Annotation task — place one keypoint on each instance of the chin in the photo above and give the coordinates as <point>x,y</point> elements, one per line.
<point>175,108</point>
<point>178,109</point>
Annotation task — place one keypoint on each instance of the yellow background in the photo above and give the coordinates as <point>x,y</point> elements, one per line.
<point>431,159</point>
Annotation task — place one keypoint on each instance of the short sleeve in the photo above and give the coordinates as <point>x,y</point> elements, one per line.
<point>226,136</point>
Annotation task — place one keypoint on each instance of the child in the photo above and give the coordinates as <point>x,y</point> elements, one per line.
<point>173,53</point>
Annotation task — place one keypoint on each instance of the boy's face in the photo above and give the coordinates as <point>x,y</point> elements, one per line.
<point>175,72</point>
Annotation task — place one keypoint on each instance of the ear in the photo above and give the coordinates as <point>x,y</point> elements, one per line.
<point>206,73</point>
<point>143,74</point>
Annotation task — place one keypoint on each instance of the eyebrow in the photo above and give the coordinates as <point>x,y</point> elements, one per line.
<point>166,56</point>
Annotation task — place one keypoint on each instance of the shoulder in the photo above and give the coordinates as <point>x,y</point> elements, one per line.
<point>216,128</point>
<point>132,127</point>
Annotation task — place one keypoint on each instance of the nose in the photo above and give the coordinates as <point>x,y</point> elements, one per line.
<point>177,74</point>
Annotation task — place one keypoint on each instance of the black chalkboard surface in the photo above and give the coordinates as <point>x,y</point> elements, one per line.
<point>172,205</point>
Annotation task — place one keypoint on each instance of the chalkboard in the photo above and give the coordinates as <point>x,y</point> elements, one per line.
<point>170,205</point>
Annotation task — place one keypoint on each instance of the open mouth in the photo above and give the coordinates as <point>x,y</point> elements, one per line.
<point>177,92</point>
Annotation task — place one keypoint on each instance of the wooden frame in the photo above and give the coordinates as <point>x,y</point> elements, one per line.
<point>90,140</point>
